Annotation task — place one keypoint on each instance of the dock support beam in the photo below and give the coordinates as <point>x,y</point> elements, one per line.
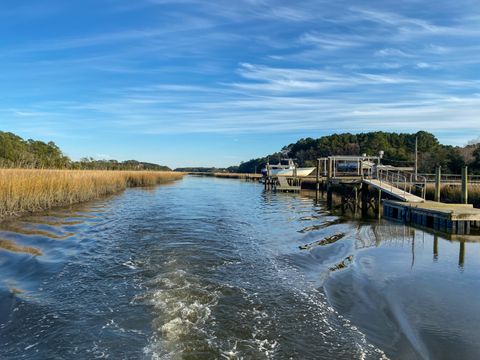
<point>364,188</point>
<point>379,205</point>
<point>465,185</point>
<point>355,205</point>
<point>329,194</point>
<point>438,180</point>
<point>317,186</point>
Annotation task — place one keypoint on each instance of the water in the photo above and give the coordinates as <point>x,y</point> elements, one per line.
<point>212,269</point>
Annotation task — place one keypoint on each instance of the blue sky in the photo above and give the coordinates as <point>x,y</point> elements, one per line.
<point>190,82</point>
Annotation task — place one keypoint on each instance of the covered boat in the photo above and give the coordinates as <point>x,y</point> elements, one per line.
<point>286,167</point>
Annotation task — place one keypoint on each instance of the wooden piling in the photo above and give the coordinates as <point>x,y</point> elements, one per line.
<point>364,189</point>
<point>379,204</point>
<point>317,180</point>
<point>355,195</point>
<point>465,185</point>
<point>438,182</point>
<point>329,194</point>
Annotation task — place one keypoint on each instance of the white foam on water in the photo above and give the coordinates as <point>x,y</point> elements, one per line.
<point>130,264</point>
<point>318,302</point>
<point>181,308</point>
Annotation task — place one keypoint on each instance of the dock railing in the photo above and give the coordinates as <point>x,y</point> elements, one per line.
<point>452,179</point>
<point>403,181</point>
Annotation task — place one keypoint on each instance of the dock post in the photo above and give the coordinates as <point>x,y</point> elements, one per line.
<point>330,168</point>
<point>317,186</point>
<point>465,185</point>
<point>379,204</point>
<point>267,178</point>
<point>355,194</point>
<point>364,188</point>
<point>438,176</point>
<point>329,194</point>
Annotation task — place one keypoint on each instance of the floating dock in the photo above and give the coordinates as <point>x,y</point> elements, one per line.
<point>450,218</point>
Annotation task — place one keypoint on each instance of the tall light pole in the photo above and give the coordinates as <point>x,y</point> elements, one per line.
<point>416,157</point>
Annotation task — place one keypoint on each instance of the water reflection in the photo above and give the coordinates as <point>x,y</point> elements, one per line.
<point>461,255</point>
<point>210,269</point>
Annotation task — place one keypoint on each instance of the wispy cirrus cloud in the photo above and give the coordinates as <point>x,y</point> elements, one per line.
<point>164,67</point>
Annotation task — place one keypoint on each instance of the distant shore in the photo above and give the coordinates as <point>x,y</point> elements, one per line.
<point>30,190</point>
<point>247,176</point>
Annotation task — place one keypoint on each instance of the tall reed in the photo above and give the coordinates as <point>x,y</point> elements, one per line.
<point>29,190</point>
<point>452,193</point>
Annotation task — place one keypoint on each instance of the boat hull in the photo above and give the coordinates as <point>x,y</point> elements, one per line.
<point>289,172</point>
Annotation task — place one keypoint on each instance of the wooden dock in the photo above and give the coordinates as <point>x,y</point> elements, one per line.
<point>450,218</point>
<point>399,191</point>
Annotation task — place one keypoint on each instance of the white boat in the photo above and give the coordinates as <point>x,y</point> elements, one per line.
<point>286,167</point>
<point>300,172</point>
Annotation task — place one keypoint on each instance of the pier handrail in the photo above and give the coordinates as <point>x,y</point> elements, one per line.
<point>392,178</point>
<point>402,180</point>
<point>452,178</point>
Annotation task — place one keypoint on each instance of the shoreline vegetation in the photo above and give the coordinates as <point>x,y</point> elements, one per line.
<point>399,150</point>
<point>452,194</point>
<point>16,152</point>
<point>244,176</point>
<point>24,191</point>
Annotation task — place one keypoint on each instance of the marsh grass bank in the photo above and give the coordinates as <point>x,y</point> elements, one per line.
<point>28,190</point>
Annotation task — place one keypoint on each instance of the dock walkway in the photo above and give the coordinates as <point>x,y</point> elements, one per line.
<point>393,191</point>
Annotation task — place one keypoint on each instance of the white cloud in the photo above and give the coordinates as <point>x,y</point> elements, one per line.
<point>314,65</point>
<point>390,52</point>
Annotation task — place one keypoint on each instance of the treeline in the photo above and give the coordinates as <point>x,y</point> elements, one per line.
<point>16,152</point>
<point>200,169</point>
<point>20,153</point>
<point>92,164</point>
<point>399,151</point>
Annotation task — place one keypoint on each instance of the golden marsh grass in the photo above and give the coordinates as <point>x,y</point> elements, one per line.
<point>29,190</point>
<point>452,193</point>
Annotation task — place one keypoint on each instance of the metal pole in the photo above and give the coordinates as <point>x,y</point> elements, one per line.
<point>416,157</point>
